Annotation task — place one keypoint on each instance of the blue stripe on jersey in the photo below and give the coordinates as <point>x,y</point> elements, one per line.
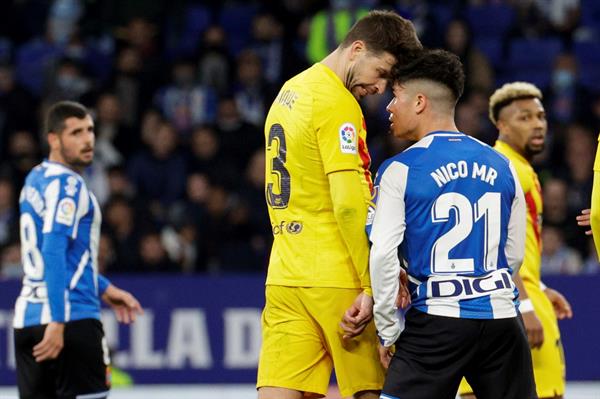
<point>32,313</point>
<point>55,202</point>
<point>477,308</point>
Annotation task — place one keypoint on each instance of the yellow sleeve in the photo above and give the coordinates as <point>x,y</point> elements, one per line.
<point>337,127</point>
<point>350,211</point>
<point>595,203</point>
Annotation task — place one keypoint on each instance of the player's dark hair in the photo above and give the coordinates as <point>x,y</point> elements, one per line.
<point>439,66</point>
<point>59,112</point>
<point>385,31</point>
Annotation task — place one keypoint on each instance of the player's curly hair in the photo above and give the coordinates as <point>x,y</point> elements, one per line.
<point>508,93</point>
<point>385,31</point>
<point>439,66</point>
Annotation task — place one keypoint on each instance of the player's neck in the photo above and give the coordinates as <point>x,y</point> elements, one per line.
<point>57,158</point>
<point>441,124</point>
<point>335,62</point>
<point>516,149</point>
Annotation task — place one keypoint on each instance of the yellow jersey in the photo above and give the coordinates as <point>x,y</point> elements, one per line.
<point>315,127</point>
<point>532,262</point>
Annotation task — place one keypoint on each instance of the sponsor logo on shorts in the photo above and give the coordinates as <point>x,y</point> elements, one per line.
<point>348,138</point>
<point>293,227</point>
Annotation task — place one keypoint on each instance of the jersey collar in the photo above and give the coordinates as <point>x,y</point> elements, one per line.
<point>506,149</point>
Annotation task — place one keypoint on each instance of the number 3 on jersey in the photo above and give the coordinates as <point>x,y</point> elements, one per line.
<point>278,169</point>
<point>486,207</point>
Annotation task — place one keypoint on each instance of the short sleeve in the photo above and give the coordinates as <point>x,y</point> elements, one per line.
<point>66,202</point>
<point>338,128</point>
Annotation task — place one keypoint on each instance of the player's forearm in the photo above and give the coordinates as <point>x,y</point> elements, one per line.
<point>385,269</point>
<point>595,212</point>
<point>350,211</point>
<point>54,252</point>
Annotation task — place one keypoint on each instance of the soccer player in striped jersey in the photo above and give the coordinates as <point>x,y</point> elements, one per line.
<point>318,187</point>
<point>517,111</point>
<point>59,341</point>
<point>454,210</point>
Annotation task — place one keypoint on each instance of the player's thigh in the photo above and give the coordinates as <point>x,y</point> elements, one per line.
<point>502,366</point>
<point>84,365</point>
<point>293,355</point>
<point>548,360</point>
<point>431,356</point>
<point>35,380</point>
<point>356,361</point>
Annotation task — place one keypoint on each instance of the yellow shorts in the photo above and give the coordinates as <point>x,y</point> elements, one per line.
<point>302,343</point>
<point>548,361</point>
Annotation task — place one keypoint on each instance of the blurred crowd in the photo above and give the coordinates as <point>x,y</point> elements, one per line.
<point>180,89</point>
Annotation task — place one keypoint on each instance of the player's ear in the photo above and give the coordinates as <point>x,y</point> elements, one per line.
<point>421,101</point>
<point>52,139</point>
<point>357,47</point>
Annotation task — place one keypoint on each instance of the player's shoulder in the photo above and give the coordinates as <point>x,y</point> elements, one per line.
<point>68,179</point>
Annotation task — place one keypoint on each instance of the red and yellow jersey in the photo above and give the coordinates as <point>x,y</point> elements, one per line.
<point>314,127</point>
<point>530,270</point>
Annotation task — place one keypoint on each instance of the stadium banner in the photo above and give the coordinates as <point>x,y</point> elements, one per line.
<point>199,329</point>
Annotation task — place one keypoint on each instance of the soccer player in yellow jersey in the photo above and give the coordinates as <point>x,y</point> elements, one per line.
<point>517,111</point>
<point>319,304</point>
<point>591,217</point>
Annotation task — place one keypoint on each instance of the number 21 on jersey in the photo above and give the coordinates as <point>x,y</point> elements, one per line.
<point>487,208</point>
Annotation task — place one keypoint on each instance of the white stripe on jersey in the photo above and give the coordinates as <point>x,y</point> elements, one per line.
<point>52,194</point>
<point>83,206</point>
<point>19,318</point>
<point>46,317</point>
<point>95,238</point>
<point>77,275</point>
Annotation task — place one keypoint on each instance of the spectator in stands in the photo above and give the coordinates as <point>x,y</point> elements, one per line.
<point>9,215</point>
<point>184,102</point>
<point>106,254</point>
<point>123,227</point>
<point>478,70</point>
<point>130,85</point>
<point>16,106</point>
<point>68,82</point>
<point>152,254</point>
<point>557,257</point>
<point>215,64</point>
<point>269,45</point>
<point>23,155</point>
<point>10,260</point>
<point>158,173</point>
<point>253,94</point>
<point>567,100</point>
<point>233,130</point>
<point>114,140</point>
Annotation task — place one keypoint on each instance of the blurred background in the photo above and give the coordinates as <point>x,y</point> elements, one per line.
<point>180,90</point>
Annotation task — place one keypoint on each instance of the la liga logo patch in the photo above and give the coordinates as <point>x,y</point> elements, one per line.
<point>348,138</point>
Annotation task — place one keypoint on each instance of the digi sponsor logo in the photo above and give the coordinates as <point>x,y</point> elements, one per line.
<point>348,136</point>
<point>293,227</point>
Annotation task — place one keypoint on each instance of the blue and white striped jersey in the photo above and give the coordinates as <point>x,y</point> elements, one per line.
<point>451,208</point>
<point>60,229</point>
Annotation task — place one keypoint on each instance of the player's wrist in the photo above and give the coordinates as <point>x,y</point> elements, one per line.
<point>525,306</point>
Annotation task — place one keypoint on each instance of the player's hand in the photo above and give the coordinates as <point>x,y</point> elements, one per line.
<point>358,316</point>
<point>125,306</point>
<point>403,298</point>
<point>52,343</point>
<point>562,308</point>
<point>584,220</point>
<point>534,328</point>
<point>385,355</point>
